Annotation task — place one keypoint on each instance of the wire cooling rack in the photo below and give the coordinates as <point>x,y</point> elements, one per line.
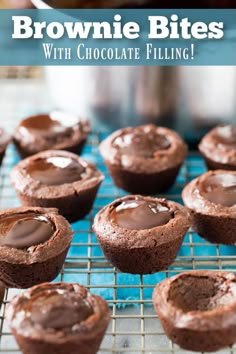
<point>134,327</point>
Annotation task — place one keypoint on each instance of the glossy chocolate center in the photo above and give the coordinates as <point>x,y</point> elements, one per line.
<point>56,170</point>
<point>55,123</point>
<point>24,231</point>
<point>59,309</point>
<point>226,135</point>
<point>141,144</point>
<point>220,189</point>
<point>140,215</point>
<point>191,293</point>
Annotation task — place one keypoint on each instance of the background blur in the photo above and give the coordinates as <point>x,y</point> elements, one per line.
<point>190,100</point>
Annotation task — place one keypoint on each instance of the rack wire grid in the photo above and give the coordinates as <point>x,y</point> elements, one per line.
<point>134,327</point>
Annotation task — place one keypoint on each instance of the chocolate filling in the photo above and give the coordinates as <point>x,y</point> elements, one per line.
<point>47,125</point>
<point>56,170</point>
<point>220,189</point>
<point>141,143</point>
<point>191,293</point>
<point>25,230</point>
<point>58,309</point>
<point>226,135</point>
<point>140,215</point>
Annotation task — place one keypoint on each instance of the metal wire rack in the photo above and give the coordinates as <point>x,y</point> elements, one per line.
<point>134,327</point>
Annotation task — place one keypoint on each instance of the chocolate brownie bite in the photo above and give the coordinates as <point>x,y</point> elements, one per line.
<point>57,179</point>
<point>211,199</point>
<point>144,159</point>
<point>58,318</point>
<point>4,141</point>
<point>197,309</point>
<point>56,130</point>
<point>218,148</point>
<point>33,245</point>
<point>141,235</point>
<point>2,293</point>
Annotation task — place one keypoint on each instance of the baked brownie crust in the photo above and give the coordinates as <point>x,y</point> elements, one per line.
<point>42,132</point>
<point>213,221</point>
<point>22,268</point>
<point>197,309</point>
<point>140,172</point>
<point>2,293</point>
<point>141,251</point>
<point>73,200</point>
<point>218,148</point>
<point>143,183</point>
<point>84,336</point>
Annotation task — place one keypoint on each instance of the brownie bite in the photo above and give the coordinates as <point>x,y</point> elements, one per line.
<point>56,130</point>
<point>4,141</point>
<point>57,179</point>
<point>2,293</point>
<point>197,309</point>
<point>211,199</point>
<point>33,245</point>
<point>144,159</point>
<point>58,318</point>
<point>141,235</point>
<point>218,148</point>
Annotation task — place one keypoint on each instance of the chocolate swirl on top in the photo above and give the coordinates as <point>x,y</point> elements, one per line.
<point>24,231</point>
<point>56,123</point>
<point>140,215</point>
<point>56,170</point>
<point>141,143</point>
<point>220,189</point>
<point>59,309</point>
